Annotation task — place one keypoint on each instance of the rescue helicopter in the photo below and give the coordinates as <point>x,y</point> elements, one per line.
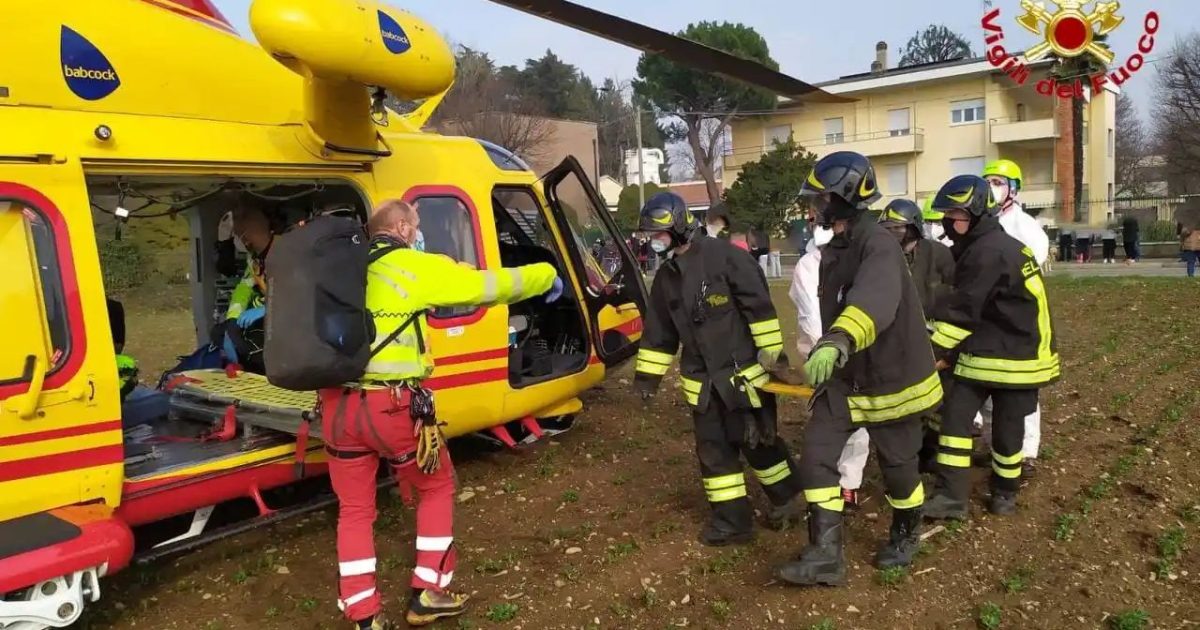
<point>137,107</point>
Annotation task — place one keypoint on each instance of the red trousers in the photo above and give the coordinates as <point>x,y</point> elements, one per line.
<point>360,427</point>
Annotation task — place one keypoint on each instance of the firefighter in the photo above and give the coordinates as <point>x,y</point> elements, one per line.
<point>873,367</point>
<point>932,268</point>
<point>712,299</point>
<point>389,414</point>
<point>995,330</point>
<point>1005,179</point>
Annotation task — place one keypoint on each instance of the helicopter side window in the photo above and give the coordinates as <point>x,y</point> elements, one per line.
<point>33,293</point>
<point>449,228</point>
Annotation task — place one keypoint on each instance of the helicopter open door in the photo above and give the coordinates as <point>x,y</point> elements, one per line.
<point>612,283</point>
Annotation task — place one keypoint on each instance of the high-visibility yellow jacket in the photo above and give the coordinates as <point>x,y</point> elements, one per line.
<point>405,281</point>
<point>250,291</point>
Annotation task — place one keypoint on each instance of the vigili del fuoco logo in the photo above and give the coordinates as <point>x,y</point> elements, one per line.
<point>1070,32</point>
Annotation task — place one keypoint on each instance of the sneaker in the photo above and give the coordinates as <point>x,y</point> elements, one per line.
<point>850,499</point>
<point>428,606</point>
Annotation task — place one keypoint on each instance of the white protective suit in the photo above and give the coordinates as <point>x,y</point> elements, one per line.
<point>803,292</point>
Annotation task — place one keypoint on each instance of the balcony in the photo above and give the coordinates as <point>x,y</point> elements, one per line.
<point>1040,195</point>
<point>1011,130</point>
<point>873,144</point>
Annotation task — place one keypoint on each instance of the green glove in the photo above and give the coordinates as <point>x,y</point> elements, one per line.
<point>820,365</point>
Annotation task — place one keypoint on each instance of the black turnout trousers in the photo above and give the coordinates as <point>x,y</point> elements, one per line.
<point>1009,408</point>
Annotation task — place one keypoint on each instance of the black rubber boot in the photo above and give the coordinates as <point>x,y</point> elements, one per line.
<point>1002,503</point>
<point>904,541</point>
<point>786,516</point>
<point>949,501</point>
<point>822,561</point>
<point>714,536</point>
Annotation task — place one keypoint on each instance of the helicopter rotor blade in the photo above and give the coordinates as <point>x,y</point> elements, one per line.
<point>680,50</point>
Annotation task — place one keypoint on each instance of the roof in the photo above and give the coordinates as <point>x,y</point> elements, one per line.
<point>693,193</point>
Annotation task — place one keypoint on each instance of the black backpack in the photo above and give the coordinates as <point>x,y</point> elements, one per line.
<point>319,331</point>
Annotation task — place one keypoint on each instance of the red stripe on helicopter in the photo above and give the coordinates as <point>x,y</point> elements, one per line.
<point>202,11</point>
<point>471,357</point>
<point>87,429</point>
<point>438,383</point>
<point>61,462</point>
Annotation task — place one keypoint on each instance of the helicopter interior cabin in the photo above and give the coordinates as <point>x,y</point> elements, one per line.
<point>545,341</point>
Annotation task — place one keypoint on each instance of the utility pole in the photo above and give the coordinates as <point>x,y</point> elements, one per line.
<point>637,125</point>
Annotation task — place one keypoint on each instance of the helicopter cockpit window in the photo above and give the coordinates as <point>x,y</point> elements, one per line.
<point>448,228</point>
<point>601,256</point>
<point>36,299</point>
<point>503,158</point>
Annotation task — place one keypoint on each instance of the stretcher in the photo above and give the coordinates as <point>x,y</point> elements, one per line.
<point>243,398</point>
<point>784,388</point>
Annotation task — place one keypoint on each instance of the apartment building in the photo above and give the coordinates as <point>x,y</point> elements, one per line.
<point>922,125</point>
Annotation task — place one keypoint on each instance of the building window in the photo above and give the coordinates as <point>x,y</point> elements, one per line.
<point>448,228</point>
<point>35,299</point>
<point>967,112</point>
<point>1110,191</point>
<point>898,122</point>
<point>897,179</point>
<point>777,134</point>
<point>835,131</point>
<point>1085,133</point>
<point>1112,143</point>
<point>966,166</point>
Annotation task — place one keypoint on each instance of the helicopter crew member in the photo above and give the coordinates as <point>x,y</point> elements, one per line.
<point>872,368</point>
<point>711,299</point>
<point>252,227</point>
<point>995,329</point>
<point>1005,179</point>
<point>390,415</point>
<point>932,268</point>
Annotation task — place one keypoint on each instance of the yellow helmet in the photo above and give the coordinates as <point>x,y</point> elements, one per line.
<point>928,213</point>
<point>1007,169</point>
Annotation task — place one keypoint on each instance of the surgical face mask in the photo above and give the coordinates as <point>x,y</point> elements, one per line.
<point>822,235</point>
<point>659,246</point>
<point>714,230</point>
<point>419,241</point>
<point>935,231</point>
<point>1000,194</point>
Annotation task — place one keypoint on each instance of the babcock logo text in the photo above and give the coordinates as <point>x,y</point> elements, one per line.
<point>88,73</point>
<point>394,37</point>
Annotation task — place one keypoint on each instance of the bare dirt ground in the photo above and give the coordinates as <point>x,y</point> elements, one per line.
<point>596,528</point>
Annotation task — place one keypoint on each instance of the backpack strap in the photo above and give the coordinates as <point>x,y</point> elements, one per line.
<point>380,252</point>
<point>375,255</point>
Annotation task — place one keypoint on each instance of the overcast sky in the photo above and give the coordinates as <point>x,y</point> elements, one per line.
<point>813,41</point>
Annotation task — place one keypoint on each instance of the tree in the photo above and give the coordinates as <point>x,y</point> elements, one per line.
<point>1068,71</point>
<point>765,193</point>
<point>1177,114</point>
<point>1131,149</point>
<point>559,88</point>
<point>628,208</point>
<point>935,43</point>
<point>484,104</point>
<point>695,97</point>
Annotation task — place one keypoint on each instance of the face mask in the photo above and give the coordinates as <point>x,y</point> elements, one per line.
<point>1000,194</point>
<point>935,230</point>
<point>714,230</point>
<point>659,246</point>
<point>822,235</point>
<point>419,241</point>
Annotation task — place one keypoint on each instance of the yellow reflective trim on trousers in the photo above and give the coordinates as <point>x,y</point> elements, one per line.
<point>821,495</point>
<point>955,442</point>
<point>654,356</point>
<point>774,474</point>
<point>916,499</point>
<point>955,461</point>
<point>654,369</point>
<point>912,400</point>
<point>724,481</point>
<point>1009,460</point>
<point>728,494</point>
<point>1007,473</point>
<point>765,326</point>
<point>833,505</point>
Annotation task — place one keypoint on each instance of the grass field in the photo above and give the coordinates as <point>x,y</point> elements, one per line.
<point>596,529</point>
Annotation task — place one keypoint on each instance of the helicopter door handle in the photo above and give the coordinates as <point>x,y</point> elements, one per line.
<point>35,374</point>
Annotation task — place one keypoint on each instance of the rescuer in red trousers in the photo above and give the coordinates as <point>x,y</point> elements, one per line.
<point>389,415</point>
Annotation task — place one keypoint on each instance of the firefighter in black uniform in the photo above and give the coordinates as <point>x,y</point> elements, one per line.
<point>872,368</point>
<point>711,299</point>
<point>995,330</point>
<point>932,268</point>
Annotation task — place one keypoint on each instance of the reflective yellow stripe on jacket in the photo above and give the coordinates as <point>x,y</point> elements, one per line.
<point>948,336</point>
<point>691,390</point>
<point>767,334</point>
<point>912,400</point>
<point>855,322</point>
<point>653,362</point>
<point>1033,372</point>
